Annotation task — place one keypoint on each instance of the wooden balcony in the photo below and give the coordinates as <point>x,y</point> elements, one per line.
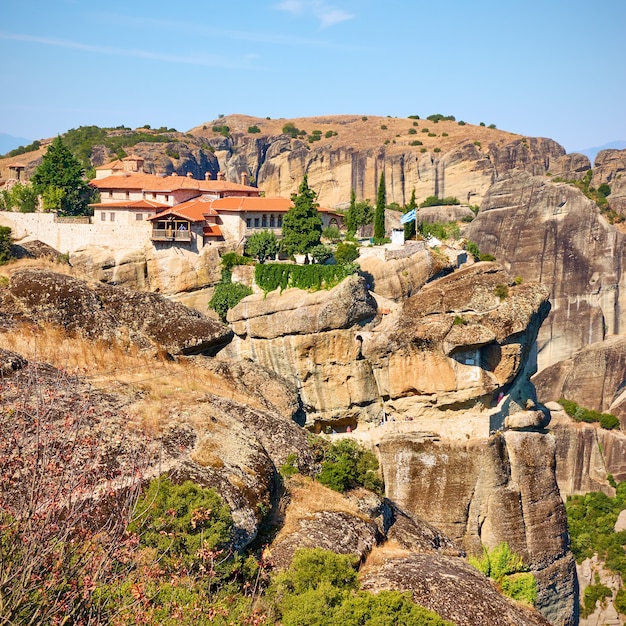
<point>168,234</point>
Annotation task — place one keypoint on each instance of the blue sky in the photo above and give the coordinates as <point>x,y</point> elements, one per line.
<point>550,68</point>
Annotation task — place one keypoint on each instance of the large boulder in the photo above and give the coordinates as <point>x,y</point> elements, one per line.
<point>113,313</point>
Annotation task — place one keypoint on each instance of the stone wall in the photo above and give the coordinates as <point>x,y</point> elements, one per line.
<point>67,238</point>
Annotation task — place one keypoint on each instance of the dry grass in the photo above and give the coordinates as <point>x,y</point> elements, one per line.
<point>382,553</point>
<point>44,264</point>
<point>156,386</point>
<point>308,497</point>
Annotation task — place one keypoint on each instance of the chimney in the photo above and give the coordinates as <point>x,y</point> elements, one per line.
<point>207,176</point>
<point>189,175</point>
<point>244,178</point>
<point>221,176</point>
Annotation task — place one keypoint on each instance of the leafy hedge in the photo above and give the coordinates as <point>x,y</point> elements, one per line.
<point>580,414</point>
<point>271,276</point>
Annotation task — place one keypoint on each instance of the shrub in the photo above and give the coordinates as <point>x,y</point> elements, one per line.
<point>492,126</point>
<point>6,242</point>
<point>230,259</point>
<point>412,131</point>
<point>435,201</point>
<point>581,414</point>
<point>461,123</point>
<point>422,150</point>
<point>271,276</point>
<point>226,296</point>
<point>262,245</point>
<point>604,189</point>
<point>254,129</point>
<point>332,233</point>
<point>482,123</point>
<point>290,129</point>
<point>425,130</point>
<point>346,253</point>
<point>518,280</point>
<point>321,253</point>
<point>414,117</point>
<point>444,134</point>
<point>593,594</point>
<point>508,569</point>
<point>346,465</point>
<point>483,256</point>
<point>364,118</point>
<point>222,130</point>
<point>173,154</point>
<point>437,150</point>
<point>290,467</point>
<point>432,134</point>
<point>620,601</point>
<point>477,143</point>
<point>383,127</point>
<point>330,133</point>
<point>501,291</point>
<point>438,117</point>
<point>416,142</point>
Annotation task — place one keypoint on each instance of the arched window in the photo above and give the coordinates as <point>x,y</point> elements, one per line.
<point>280,221</point>
<point>264,221</point>
<point>272,221</point>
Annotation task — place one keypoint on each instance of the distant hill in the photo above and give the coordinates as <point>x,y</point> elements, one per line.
<point>591,152</point>
<point>9,142</point>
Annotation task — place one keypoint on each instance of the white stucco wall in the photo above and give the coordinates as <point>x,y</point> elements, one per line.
<point>71,237</point>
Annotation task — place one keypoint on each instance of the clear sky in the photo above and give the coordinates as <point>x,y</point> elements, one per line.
<point>550,68</point>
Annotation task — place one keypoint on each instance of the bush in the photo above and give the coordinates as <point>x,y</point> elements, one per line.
<point>230,259</point>
<point>346,465</point>
<point>330,133</point>
<point>508,569</point>
<point>472,248</point>
<point>346,253</point>
<point>414,117</point>
<point>6,242</point>
<point>461,123</point>
<point>412,131</point>
<point>254,129</point>
<point>321,253</point>
<point>604,189</point>
<point>593,594</point>
<point>620,601</point>
<point>416,142</point>
<point>262,245</point>
<point>438,117</point>
<point>435,201</point>
<point>331,233</point>
<point>271,276</point>
<point>226,296</point>
<point>581,414</point>
<point>501,291</point>
<point>383,127</point>
<point>222,130</point>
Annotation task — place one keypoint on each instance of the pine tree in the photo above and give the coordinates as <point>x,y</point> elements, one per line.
<point>302,224</point>
<point>379,214</point>
<point>351,224</point>
<point>60,175</point>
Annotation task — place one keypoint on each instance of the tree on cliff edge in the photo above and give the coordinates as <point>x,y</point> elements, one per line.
<point>379,214</point>
<point>59,180</point>
<point>302,224</point>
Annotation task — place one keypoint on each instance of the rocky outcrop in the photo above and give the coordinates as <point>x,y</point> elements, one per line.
<point>549,232</point>
<point>595,378</point>
<point>610,168</point>
<point>450,587</point>
<point>455,342</point>
<point>586,455</point>
<point>168,271</point>
<point>570,166</point>
<point>487,491</point>
<point>112,313</point>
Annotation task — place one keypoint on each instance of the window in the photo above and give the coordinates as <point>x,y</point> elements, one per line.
<point>154,196</point>
<point>256,222</point>
<point>110,194</point>
<point>272,221</point>
<point>280,221</point>
<point>127,195</point>
<point>248,222</point>
<point>138,216</point>
<point>112,216</point>
<point>103,216</point>
<point>167,198</point>
<point>264,221</point>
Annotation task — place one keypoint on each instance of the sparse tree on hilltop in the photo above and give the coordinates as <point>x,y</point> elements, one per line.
<point>302,224</point>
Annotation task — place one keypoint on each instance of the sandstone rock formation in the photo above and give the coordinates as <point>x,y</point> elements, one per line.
<point>594,377</point>
<point>112,313</point>
<point>551,233</point>
<point>610,168</point>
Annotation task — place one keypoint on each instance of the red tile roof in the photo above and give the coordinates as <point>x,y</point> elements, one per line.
<point>212,230</point>
<point>131,204</point>
<point>194,210</point>
<point>150,182</point>
<point>111,165</point>
<point>266,205</point>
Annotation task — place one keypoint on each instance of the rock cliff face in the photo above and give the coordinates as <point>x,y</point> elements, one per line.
<point>595,377</point>
<point>610,168</point>
<point>551,233</point>
<point>454,343</point>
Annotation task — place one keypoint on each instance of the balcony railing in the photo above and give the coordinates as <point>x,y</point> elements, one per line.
<point>168,234</point>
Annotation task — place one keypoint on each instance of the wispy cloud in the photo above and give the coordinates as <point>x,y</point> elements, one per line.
<point>200,59</point>
<point>327,15</point>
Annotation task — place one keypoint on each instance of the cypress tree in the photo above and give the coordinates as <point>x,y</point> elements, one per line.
<point>379,214</point>
<point>409,227</point>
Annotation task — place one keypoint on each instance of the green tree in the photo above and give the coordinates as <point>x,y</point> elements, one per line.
<point>379,214</point>
<point>23,198</point>
<point>226,296</point>
<point>302,224</point>
<point>346,253</point>
<point>262,245</point>
<point>359,214</point>
<point>60,169</point>
<point>5,245</point>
